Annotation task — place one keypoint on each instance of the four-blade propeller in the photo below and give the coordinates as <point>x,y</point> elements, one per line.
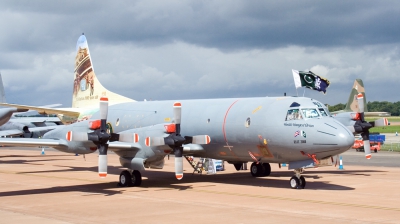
<point>176,141</point>
<point>100,137</point>
<point>361,126</point>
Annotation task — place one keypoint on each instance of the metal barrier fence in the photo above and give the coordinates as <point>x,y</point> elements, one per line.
<point>391,146</point>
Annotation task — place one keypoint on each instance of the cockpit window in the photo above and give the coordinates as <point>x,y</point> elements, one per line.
<point>322,112</point>
<point>293,114</point>
<point>310,113</point>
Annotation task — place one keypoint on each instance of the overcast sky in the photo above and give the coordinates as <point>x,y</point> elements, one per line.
<point>169,50</point>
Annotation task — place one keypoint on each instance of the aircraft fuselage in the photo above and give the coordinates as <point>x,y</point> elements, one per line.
<point>238,128</point>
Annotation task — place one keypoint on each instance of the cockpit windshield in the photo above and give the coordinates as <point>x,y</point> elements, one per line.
<point>297,112</point>
<point>293,114</point>
<point>310,113</point>
<point>322,112</point>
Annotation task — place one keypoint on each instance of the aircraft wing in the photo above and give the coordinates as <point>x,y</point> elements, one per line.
<point>120,148</point>
<point>19,132</point>
<point>35,119</point>
<point>124,149</point>
<point>34,142</point>
<point>46,110</point>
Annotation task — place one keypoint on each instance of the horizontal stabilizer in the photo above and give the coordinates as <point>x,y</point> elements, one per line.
<point>72,112</point>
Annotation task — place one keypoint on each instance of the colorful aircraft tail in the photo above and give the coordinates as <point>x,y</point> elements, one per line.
<point>87,88</point>
<point>352,104</point>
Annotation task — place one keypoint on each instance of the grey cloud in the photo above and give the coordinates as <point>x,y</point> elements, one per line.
<point>229,25</point>
<point>251,46</point>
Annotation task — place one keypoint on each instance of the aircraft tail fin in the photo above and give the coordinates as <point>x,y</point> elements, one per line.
<point>87,88</point>
<point>2,93</point>
<point>352,104</point>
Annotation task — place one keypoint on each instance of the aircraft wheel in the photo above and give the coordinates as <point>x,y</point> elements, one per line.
<point>256,170</point>
<point>302,182</point>
<point>136,178</point>
<point>294,182</point>
<point>125,179</point>
<point>375,150</point>
<point>267,169</point>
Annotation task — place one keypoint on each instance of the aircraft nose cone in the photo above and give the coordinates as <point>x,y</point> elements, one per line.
<point>345,137</point>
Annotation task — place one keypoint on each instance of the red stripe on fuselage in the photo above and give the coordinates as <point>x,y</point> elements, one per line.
<point>223,125</point>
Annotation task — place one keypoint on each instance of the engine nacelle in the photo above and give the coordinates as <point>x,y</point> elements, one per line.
<point>77,148</point>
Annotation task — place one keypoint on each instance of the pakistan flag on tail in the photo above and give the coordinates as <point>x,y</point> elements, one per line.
<point>310,80</point>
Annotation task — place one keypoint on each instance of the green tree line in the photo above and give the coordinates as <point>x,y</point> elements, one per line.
<point>375,106</point>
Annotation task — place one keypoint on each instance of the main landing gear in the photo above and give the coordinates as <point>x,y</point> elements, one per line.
<point>260,169</point>
<point>264,169</point>
<point>129,178</point>
<point>298,181</point>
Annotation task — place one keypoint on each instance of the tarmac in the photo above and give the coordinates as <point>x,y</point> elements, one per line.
<point>63,188</point>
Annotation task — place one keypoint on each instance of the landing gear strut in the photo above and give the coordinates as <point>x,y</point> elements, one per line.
<point>260,169</point>
<point>130,178</point>
<point>298,181</point>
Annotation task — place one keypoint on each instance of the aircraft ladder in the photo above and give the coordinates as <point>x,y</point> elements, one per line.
<point>197,166</point>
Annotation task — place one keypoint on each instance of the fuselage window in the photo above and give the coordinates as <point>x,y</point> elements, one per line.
<point>247,124</point>
<point>293,114</point>
<point>322,112</point>
<point>117,122</point>
<point>310,113</point>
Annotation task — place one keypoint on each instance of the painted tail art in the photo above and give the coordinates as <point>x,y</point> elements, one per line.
<point>87,89</point>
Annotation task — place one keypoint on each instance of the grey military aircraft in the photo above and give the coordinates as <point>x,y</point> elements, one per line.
<point>23,126</point>
<point>262,130</point>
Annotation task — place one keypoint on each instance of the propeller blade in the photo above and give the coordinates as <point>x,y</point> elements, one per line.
<point>154,141</point>
<point>177,117</point>
<point>380,122</point>
<point>103,108</point>
<point>360,101</point>
<point>198,139</point>
<point>128,137</point>
<point>178,163</point>
<point>77,136</point>
<point>103,160</point>
<point>367,149</point>
<point>367,146</point>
